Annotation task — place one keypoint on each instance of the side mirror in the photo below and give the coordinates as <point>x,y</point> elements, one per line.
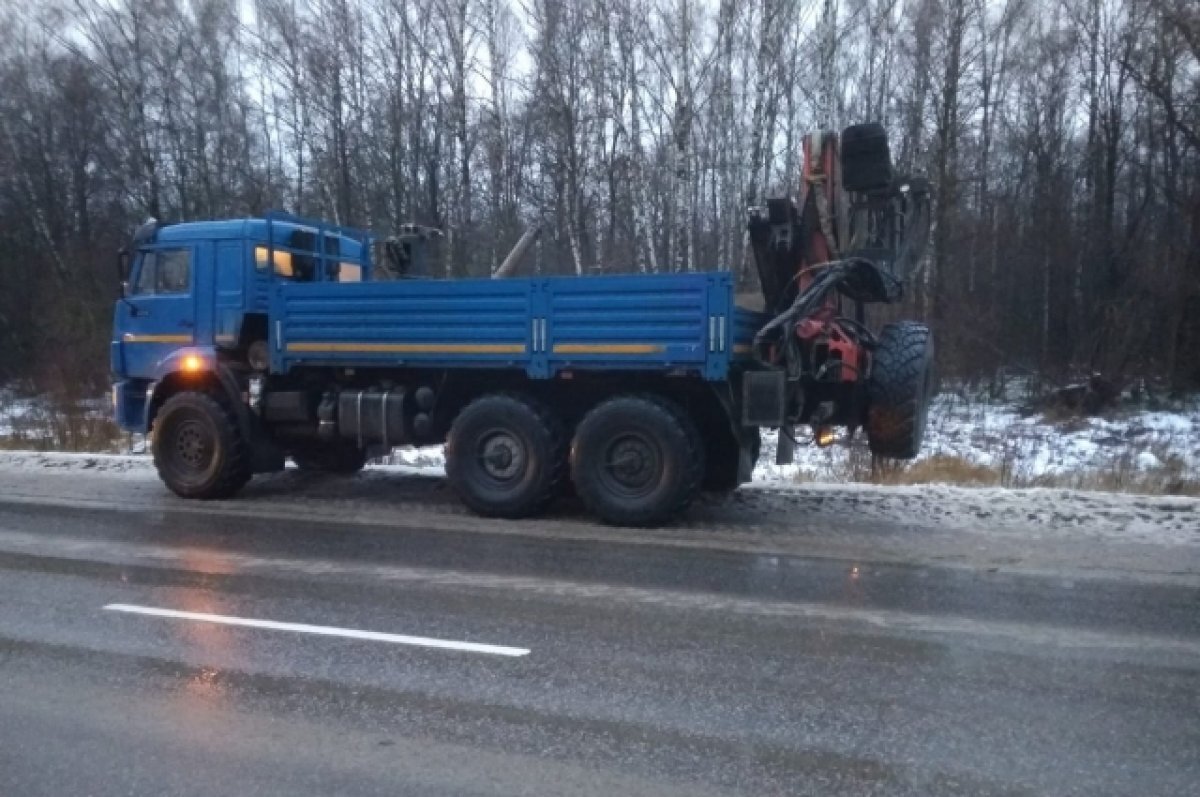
<point>123,271</point>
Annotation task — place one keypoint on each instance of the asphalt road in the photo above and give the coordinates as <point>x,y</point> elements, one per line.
<point>622,665</point>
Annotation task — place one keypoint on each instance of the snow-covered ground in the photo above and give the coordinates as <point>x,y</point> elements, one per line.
<point>1018,450</point>
<point>1022,450</point>
<point>39,422</point>
<point>995,439</point>
<point>15,413</point>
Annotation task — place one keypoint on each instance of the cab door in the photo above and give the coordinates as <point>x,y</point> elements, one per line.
<point>159,313</point>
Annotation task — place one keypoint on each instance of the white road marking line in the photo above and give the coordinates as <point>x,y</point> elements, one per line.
<point>321,630</point>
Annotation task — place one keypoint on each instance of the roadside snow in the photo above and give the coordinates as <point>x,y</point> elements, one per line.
<point>419,462</point>
<point>994,436</point>
<point>1031,513</point>
<point>1025,449</point>
<point>14,411</point>
<point>424,459</point>
<point>962,521</point>
<point>35,419</point>
<point>133,465</point>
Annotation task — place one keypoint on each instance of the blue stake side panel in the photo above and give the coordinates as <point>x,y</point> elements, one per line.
<point>543,325</point>
<point>746,324</point>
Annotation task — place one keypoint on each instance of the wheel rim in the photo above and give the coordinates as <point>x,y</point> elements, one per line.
<point>190,448</point>
<point>501,456</point>
<point>632,465</point>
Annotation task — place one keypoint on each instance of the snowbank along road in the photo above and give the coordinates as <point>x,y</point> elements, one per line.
<point>365,635</point>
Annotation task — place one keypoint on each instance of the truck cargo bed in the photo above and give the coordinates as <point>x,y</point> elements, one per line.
<point>543,325</point>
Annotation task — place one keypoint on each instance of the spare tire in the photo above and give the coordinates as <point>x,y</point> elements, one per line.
<point>899,390</point>
<point>866,158</point>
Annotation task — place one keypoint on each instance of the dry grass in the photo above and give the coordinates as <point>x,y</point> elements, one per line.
<point>61,426</point>
<point>940,469</point>
<point>1123,476</point>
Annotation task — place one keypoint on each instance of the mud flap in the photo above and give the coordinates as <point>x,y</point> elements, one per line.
<point>785,449</point>
<point>265,455</point>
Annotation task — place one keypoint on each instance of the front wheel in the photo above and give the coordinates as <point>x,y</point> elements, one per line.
<point>637,460</point>
<point>198,449</point>
<point>899,390</point>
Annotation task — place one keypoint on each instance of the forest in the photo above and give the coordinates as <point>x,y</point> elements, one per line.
<point>1062,139</point>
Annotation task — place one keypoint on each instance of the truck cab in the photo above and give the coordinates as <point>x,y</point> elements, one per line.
<point>199,292</point>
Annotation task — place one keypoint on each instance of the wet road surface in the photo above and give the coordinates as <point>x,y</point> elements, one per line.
<point>606,667</point>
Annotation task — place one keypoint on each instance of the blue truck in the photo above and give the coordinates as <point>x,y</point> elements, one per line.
<point>241,343</point>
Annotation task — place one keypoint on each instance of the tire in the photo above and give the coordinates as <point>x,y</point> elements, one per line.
<point>506,456</point>
<point>637,460</point>
<point>198,449</point>
<point>899,390</point>
<point>331,458</point>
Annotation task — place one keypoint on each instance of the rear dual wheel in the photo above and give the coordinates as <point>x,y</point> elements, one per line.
<point>637,460</point>
<point>506,455</point>
<point>634,460</point>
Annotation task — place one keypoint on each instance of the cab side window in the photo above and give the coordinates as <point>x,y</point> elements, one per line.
<point>164,272</point>
<point>146,273</point>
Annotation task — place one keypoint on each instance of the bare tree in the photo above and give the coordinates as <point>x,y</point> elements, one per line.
<point>1063,140</point>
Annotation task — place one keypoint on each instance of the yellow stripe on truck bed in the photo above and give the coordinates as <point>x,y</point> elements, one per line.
<point>409,348</point>
<point>608,348</point>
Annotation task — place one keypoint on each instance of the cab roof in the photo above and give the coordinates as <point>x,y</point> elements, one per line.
<point>242,228</point>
